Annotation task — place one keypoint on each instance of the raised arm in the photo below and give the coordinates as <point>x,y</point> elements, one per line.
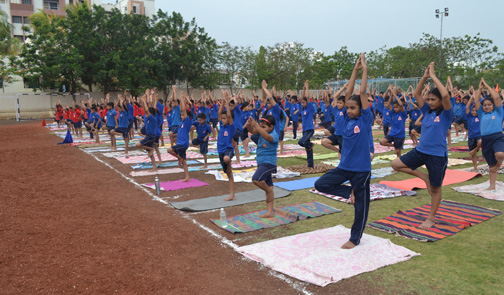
<point>338,94</point>
<point>496,98</point>
<point>445,96</point>
<point>363,87</point>
<point>468,105</point>
<point>420,86</point>
<point>477,95</point>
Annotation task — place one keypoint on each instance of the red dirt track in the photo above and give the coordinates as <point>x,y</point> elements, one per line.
<point>69,224</point>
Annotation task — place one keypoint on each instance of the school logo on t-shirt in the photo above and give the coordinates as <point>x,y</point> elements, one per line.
<point>304,112</point>
<point>493,117</point>
<point>436,119</point>
<point>356,130</point>
<point>341,113</point>
<point>476,120</point>
<point>399,118</point>
<point>225,133</point>
<point>182,126</point>
<point>265,145</point>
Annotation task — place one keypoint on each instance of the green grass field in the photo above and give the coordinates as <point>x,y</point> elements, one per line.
<point>470,262</point>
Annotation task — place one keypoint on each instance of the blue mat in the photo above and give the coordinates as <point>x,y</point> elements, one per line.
<point>295,185</point>
<point>304,183</point>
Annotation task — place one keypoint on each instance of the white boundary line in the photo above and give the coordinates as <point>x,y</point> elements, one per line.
<point>300,287</point>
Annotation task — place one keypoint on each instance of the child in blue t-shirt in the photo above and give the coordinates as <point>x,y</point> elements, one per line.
<point>335,132</point>
<point>355,164</point>
<point>150,124</point>
<point>111,124</point>
<point>97,123</point>
<point>214,117</point>
<point>225,142</point>
<point>398,117</point>
<point>174,102</point>
<point>432,149</point>
<point>387,118</point>
<point>294,115</point>
<point>308,127</point>
<point>267,144</point>
<point>490,115</point>
<point>203,132</point>
<point>179,150</point>
<point>122,124</point>
<point>414,115</point>
<point>247,112</point>
<point>474,132</point>
<point>238,123</point>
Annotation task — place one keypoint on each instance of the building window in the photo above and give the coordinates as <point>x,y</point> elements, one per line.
<point>26,20</point>
<point>51,4</point>
<point>20,37</point>
<point>28,2</point>
<point>17,19</point>
<point>134,9</point>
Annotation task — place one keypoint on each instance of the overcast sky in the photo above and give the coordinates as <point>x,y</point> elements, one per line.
<point>327,25</point>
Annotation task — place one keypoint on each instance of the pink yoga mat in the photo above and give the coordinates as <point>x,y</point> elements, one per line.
<point>177,184</point>
<point>451,177</point>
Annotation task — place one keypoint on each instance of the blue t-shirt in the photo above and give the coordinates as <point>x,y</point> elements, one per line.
<point>111,118</point>
<point>355,150</point>
<point>275,112</point>
<point>202,110</point>
<point>415,114</point>
<point>474,126</point>
<point>247,115</point>
<point>150,125</point>
<point>307,117</point>
<point>160,109</point>
<point>226,134</point>
<point>398,123</point>
<point>387,118</point>
<point>379,103</point>
<point>130,112</point>
<point>176,116</point>
<point>283,122</point>
<point>238,118</point>
<point>169,118</point>
<point>293,109</point>
<point>214,112</point>
<point>328,111</point>
<point>339,120</point>
<point>202,130</point>
<point>434,131</point>
<point>267,151</point>
<point>457,109</point>
<point>97,120</point>
<point>491,122</point>
<point>123,119</point>
<point>183,132</point>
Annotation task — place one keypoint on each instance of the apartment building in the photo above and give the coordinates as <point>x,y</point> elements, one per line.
<point>18,11</point>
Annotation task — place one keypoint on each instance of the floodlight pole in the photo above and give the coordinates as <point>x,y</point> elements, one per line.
<point>441,14</point>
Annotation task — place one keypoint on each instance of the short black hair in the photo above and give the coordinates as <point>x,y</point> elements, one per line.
<point>268,119</point>
<point>202,116</point>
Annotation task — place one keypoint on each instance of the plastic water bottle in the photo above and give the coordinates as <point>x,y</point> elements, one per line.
<point>223,218</point>
<point>158,187</point>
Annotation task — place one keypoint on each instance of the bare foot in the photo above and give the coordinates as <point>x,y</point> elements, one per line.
<point>230,198</point>
<point>153,169</point>
<point>185,179</point>
<point>491,188</point>
<point>427,183</point>
<point>427,224</point>
<point>352,198</point>
<point>113,149</point>
<point>348,245</point>
<point>267,215</point>
<point>205,166</point>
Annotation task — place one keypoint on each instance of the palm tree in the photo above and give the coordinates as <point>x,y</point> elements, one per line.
<point>8,44</point>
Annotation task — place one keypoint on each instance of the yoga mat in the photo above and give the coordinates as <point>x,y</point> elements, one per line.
<point>382,172</point>
<point>483,169</point>
<point>100,149</point>
<point>317,168</point>
<point>217,202</point>
<point>378,192</point>
<point>319,157</point>
<point>451,218</point>
<point>291,153</point>
<point>295,185</point>
<point>245,175</point>
<point>217,161</point>
<point>163,165</point>
<point>283,215</point>
<point>316,257</point>
<point>378,148</point>
<point>158,172</point>
<point>164,157</point>
<point>460,148</point>
<point>454,162</point>
<point>481,190</point>
<point>451,177</point>
<point>177,184</point>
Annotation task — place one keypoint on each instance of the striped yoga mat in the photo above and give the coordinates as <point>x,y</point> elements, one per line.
<point>451,218</point>
<point>283,215</point>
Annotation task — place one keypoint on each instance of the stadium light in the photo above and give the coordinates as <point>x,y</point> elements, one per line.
<point>441,15</point>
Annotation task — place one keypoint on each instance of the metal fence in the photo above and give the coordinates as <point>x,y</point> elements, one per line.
<point>381,84</point>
